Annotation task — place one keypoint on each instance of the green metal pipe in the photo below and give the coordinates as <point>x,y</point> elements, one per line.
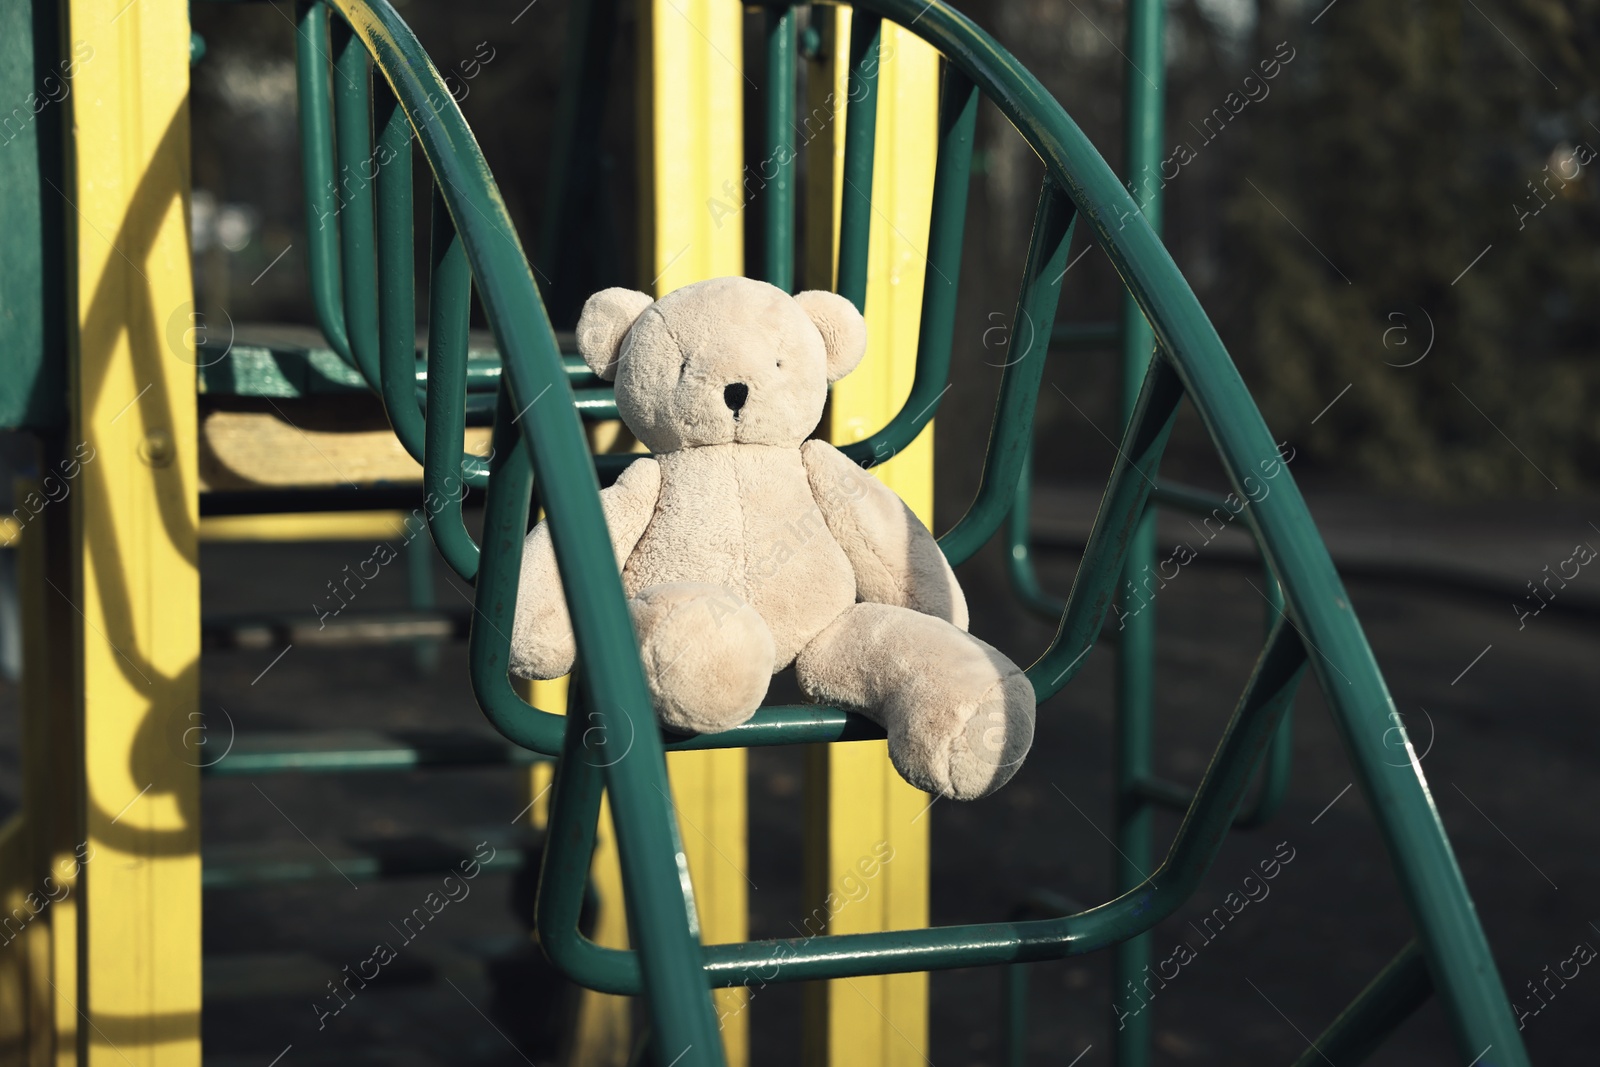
<point>1275,777</point>
<point>570,839</point>
<point>397,310</point>
<point>505,525</point>
<point>1014,1012</point>
<point>779,188</point>
<point>1402,987</point>
<point>1132,815</point>
<point>1269,691</point>
<point>1014,981</point>
<point>1168,794</point>
<point>652,861</point>
<point>1144,80</point>
<point>316,172</point>
<point>419,579</point>
<point>355,168</point>
<point>595,403</point>
<point>792,724</point>
<point>397,283</point>
<point>1054,220</point>
<point>258,872</point>
<point>860,142</point>
<point>1121,510</point>
<point>1019,560</point>
<point>506,510</point>
<point>1189,500</point>
<point>449,312</point>
<point>958,120</point>
<point>362,753</point>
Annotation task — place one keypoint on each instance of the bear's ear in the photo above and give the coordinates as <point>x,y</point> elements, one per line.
<point>606,318</point>
<point>844,331</point>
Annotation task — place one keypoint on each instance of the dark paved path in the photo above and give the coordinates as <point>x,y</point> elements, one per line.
<point>1509,748</point>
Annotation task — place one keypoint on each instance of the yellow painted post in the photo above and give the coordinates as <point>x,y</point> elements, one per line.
<point>859,810</point>
<point>692,228</point>
<point>135,511</point>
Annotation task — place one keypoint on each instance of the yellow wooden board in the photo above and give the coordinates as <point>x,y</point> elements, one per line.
<point>307,526</point>
<point>312,442</point>
<point>866,825</point>
<point>135,515</point>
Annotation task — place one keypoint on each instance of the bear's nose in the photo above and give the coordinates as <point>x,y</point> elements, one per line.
<point>735,395</point>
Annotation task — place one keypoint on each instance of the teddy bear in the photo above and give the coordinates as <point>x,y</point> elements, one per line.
<point>747,547</point>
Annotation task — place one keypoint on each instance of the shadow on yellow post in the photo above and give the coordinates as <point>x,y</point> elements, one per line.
<point>120,971</point>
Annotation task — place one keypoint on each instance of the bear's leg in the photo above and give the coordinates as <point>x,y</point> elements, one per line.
<point>959,713</point>
<point>708,655</point>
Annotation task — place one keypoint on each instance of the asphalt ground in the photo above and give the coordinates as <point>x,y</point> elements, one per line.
<point>1500,716</point>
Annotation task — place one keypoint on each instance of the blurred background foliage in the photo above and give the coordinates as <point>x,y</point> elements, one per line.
<point>1397,233</point>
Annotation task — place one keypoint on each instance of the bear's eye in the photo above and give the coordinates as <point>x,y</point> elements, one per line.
<point>780,364</point>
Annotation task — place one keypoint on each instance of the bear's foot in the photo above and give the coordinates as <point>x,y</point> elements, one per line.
<point>962,747</point>
<point>708,656</point>
<point>958,712</point>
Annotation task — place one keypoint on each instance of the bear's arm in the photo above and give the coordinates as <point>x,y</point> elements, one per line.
<point>895,558</point>
<point>542,644</point>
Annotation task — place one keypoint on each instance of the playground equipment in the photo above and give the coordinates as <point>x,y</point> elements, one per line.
<point>1136,790</point>
<point>122,955</point>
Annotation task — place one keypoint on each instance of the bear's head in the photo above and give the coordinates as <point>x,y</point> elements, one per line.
<point>729,360</point>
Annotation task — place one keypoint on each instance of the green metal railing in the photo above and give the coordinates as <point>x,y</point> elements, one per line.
<point>1136,790</point>
<point>609,741</point>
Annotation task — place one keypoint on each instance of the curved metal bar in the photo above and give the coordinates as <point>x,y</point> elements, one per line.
<point>1019,557</point>
<point>553,443</point>
<point>1266,695</point>
<point>1458,951</point>
<point>505,525</point>
<point>397,310</point>
<point>1011,429</point>
<point>777,213</point>
<point>574,820</point>
<point>1391,998</point>
<point>1275,778</point>
<point>860,143</point>
<point>958,120</point>
<point>312,63</point>
<point>397,283</point>
<point>1121,508</point>
<point>355,165</point>
<point>1025,581</point>
<point>449,309</point>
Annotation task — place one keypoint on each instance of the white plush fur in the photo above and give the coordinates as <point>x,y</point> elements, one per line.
<point>746,548</point>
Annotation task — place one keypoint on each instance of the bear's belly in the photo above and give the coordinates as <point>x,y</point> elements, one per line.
<point>743,517</point>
